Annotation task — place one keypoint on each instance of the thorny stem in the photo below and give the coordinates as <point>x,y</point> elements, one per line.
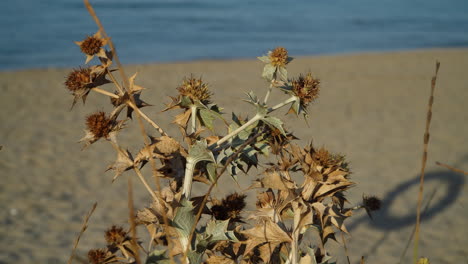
<point>139,113</point>
<point>193,118</point>
<point>110,43</point>
<point>137,109</point>
<point>145,183</point>
<point>132,105</point>
<point>267,95</point>
<point>295,242</point>
<point>276,107</point>
<point>254,119</point>
<point>101,91</point>
<point>250,122</point>
<point>116,83</point>
<point>218,175</point>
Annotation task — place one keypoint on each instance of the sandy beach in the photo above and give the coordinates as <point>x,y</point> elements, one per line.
<point>372,108</point>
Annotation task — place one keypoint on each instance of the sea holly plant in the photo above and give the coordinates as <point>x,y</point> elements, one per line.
<point>183,228</point>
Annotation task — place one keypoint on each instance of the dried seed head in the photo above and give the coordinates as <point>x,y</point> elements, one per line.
<point>78,79</point>
<point>99,124</point>
<point>306,88</point>
<point>195,89</point>
<point>91,45</point>
<point>277,140</point>
<point>322,157</point>
<point>230,207</point>
<point>279,57</point>
<point>116,235</point>
<point>100,256</point>
<point>371,203</point>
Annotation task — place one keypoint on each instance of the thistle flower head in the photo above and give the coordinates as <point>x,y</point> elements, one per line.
<point>101,256</point>
<point>116,235</point>
<point>78,79</point>
<point>230,207</point>
<point>279,57</point>
<point>306,88</point>
<point>195,89</point>
<point>99,124</point>
<point>371,203</point>
<point>91,45</point>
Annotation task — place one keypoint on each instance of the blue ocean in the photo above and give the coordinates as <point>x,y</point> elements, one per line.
<point>40,33</point>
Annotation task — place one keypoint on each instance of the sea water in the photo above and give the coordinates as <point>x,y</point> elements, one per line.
<point>40,33</point>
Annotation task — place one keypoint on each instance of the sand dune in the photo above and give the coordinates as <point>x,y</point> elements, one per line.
<point>372,108</point>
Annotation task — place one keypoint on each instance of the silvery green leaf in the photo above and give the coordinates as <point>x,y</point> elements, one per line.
<point>311,253</point>
<point>195,257</point>
<point>262,110</point>
<point>199,151</point>
<point>296,107</point>
<point>211,169</point>
<point>217,230</point>
<point>157,257</point>
<point>244,134</point>
<point>282,74</point>
<point>252,98</point>
<point>275,123</point>
<point>269,72</point>
<point>263,147</point>
<point>185,101</point>
<point>289,60</point>
<point>207,117</point>
<point>236,120</point>
<point>264,59</point>
<point>184,218</point>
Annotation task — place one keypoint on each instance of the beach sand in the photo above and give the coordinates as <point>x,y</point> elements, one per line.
<point>372,108</point>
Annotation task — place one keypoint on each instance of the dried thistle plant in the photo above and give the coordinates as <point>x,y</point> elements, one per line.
<point>209,229</point>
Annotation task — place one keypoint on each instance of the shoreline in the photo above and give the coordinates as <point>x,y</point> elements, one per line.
<point>208,60</point>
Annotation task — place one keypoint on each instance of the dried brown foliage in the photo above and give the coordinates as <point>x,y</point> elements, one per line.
<point>208,229</point>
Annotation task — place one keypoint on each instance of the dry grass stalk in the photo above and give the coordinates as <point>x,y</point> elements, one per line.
<point>131,102</point>
<point>131,217</point>
<point>84,226</point>
<point>452,168</point>
<point>423,166</point>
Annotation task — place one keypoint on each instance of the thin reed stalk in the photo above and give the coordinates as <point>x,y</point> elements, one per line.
<point>131,218</point>
<point>423,166</point>
<point>84,226</point>
<point>452,168</point>
<point>132,101</point>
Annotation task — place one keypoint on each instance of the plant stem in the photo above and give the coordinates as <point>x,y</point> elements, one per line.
<point>423,165</point>
<point>254,119</point>
<point>84,226</point>
<point>158,128</point>
<point>116,83</point>
<point>101,91</point>
<point>193,118</point>
<point>268,93</point>
<point>145,183</point>
<point>295,236</point>
<point>188,178</point>
<point>218,175</point>
<point>237,131</point>
<point>276,107</point>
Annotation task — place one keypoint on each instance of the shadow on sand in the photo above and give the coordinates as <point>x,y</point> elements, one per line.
<point>449,183</point>
<point>449,188</point>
